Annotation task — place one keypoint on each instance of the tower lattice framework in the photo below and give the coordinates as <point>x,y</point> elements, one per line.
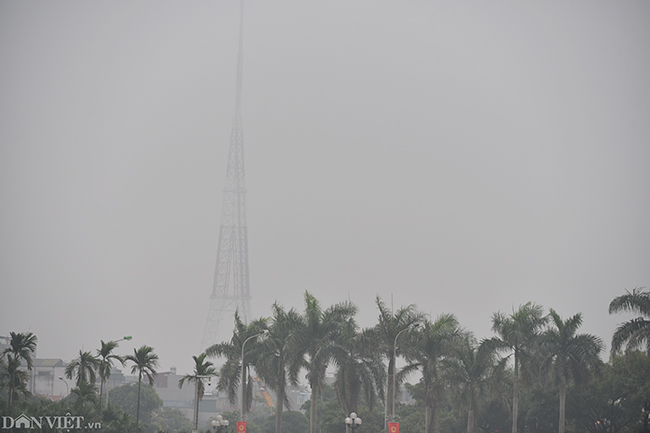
<point>231,289</point>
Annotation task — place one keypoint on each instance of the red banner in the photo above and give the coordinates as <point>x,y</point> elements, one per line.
<point>241,426</point>
<point>393,427</point>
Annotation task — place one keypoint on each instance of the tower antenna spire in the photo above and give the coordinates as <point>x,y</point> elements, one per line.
<point>231,289</point>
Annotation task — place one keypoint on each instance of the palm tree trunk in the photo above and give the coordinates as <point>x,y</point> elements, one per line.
<point>279,406</point>
<point>429,416</point>
<point>196,405</point>
<point>561,422</point>
<point>137,411</point>
<point>313,409</point>
<point>389,390</point>
<point>101,393</point>
<point>470,415</point>
<point>515,402</point>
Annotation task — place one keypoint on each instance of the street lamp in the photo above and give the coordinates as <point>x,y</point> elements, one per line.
<point>127,337</point>
<point>219,423</point>
<point>352,422</point>
<point>243,391</point>
<point>66,385</point>
<point>412,326</point>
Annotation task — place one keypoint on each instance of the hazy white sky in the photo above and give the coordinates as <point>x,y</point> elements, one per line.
<point>466,157</point>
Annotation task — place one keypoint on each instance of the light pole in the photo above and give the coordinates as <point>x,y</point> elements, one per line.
<point>127,337</point>
<point>351,422</point>
<point>219,423</point>
<point>243,380</point>
<point>66,385</point>
<point>412,326</point>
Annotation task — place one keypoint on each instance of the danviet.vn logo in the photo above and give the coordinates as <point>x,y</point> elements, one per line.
<point>66,422</point>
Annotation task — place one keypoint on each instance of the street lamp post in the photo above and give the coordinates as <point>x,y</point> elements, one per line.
<point>351,422</point>
<point>66,385</point>
<point>412,326</point>
<point>243,380</point>
<point>219,423</point>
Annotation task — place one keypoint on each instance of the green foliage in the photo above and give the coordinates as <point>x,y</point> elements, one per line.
<point>292,422</point>
<point>618,397</point>
<point>170,420</point>
<point>126,397</point>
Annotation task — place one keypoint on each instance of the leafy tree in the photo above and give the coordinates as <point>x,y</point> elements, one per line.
<point>230,372</point>
<point>617,399</point>
<point>128,399</point>
<point>425,352</point>
<point>634,333</point>
<point>85,366</point>
<point>202,369</point>
<point>170,419</point>
<point>145,362</point>
<point>106,359</point>
<point>568,356</point>
<point>278,358</point>
<point>518,333</point>
<point>295,422</point>
<point>385,333</point>
<point>319,338</point>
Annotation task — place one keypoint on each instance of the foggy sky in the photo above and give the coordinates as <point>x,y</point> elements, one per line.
<point>467,157</point>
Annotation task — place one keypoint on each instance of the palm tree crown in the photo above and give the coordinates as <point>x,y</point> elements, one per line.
<point>22,345</point>
<point>634,333</point>
<point>86,366</point>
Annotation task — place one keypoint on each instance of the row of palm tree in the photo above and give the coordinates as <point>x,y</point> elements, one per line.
<point>537,347</point>
<point>85,368</point>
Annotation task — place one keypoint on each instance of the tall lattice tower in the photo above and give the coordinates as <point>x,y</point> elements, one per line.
<point>231,290</point>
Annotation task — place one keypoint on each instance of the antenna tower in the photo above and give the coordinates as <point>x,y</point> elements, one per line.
<point>231,290</point>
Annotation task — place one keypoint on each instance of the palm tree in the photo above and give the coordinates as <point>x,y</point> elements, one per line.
<point>472,369</point>
<point>106,359</point>
<point>278,358</point>
<point>634,333</point>
<point>202,369</point>
<point>13,378</point>
<point>568,356</point>
<point>230,372</point>
<point>359,369</point>
<point>518,333</point>
<point>318,339</point>
<point>145,362</point>
<point>385,334</point>
<point>22,345</point>
<point>425,352</point>
<point>86,366</point>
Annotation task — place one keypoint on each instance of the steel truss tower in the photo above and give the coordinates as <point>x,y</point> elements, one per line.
<point>231,290</point>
